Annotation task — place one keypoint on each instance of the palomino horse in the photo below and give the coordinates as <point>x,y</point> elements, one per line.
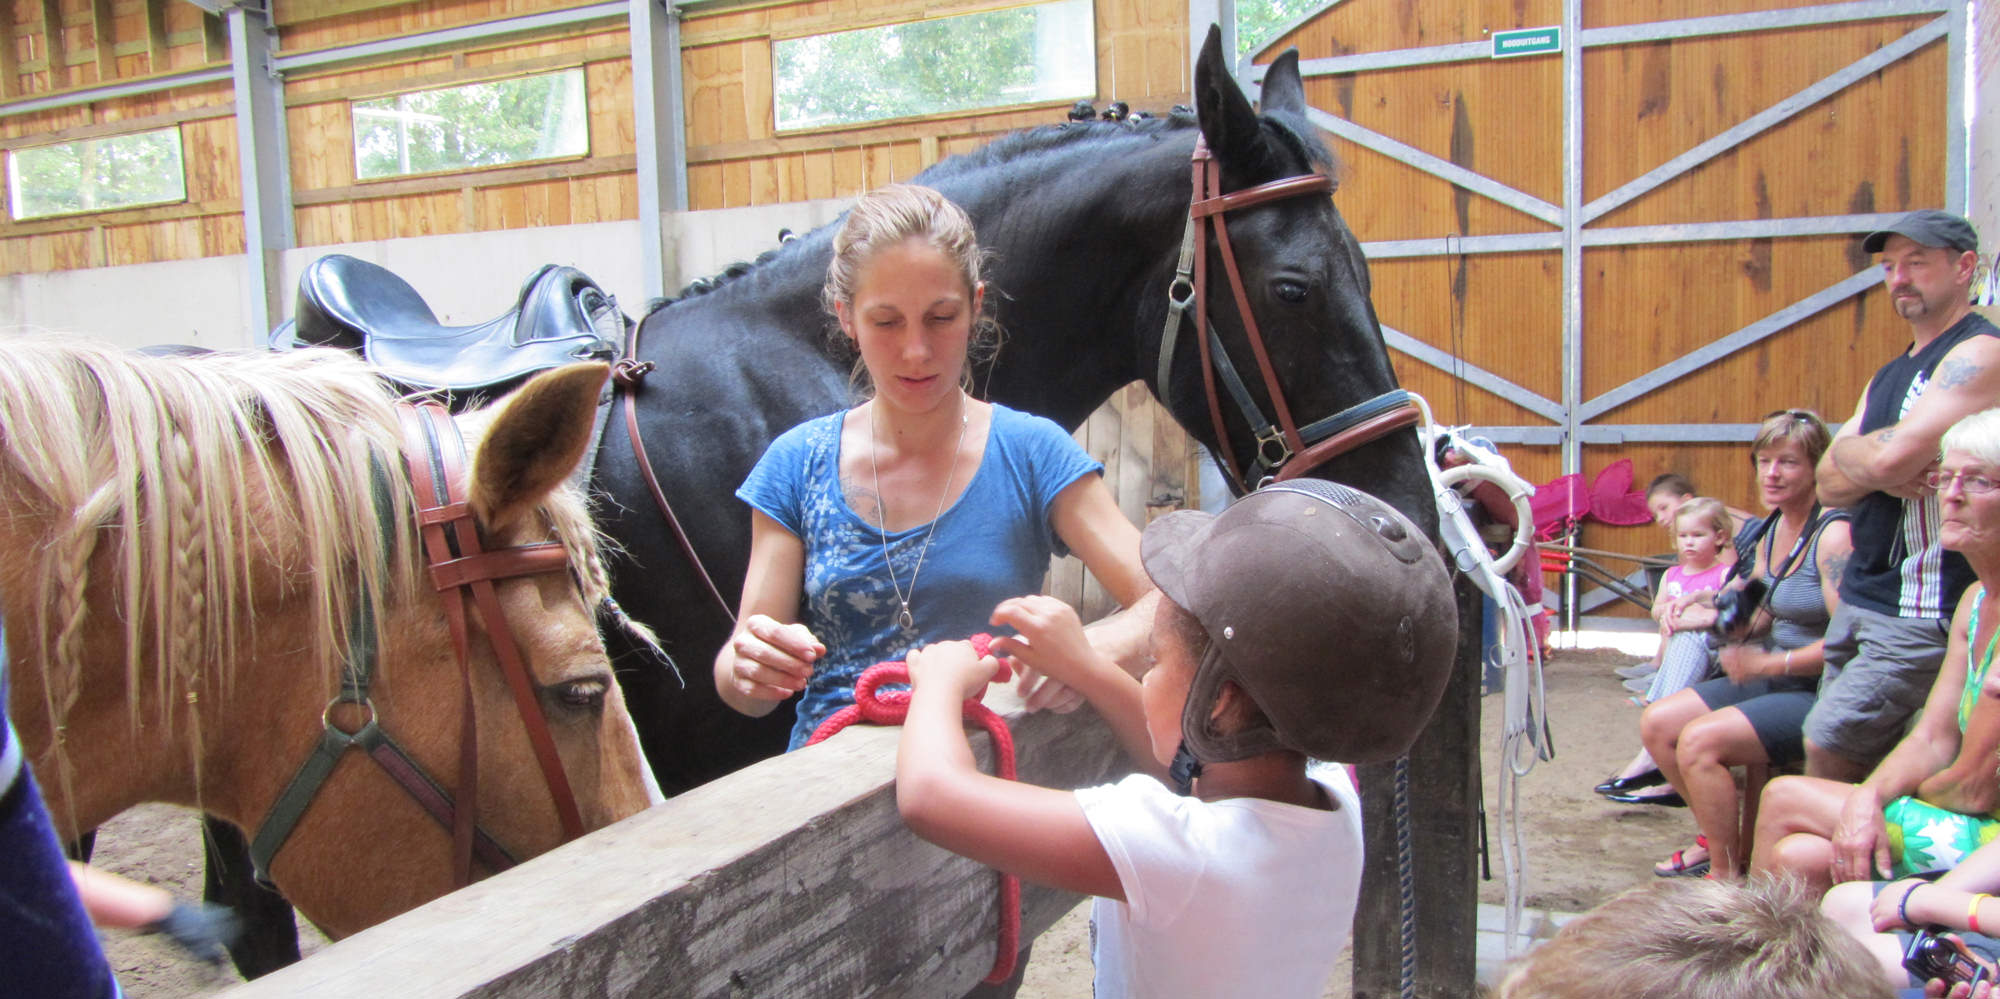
<point>207,551</point>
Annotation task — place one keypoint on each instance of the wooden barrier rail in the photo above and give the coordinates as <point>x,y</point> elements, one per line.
<point>793,877</point>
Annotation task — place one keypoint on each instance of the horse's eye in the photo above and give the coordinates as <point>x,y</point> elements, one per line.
<point>581,695</point>
<point>1290,291</point>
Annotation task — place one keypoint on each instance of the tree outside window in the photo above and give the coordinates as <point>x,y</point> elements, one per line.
<point>96,175</point>
<point>477,125</point>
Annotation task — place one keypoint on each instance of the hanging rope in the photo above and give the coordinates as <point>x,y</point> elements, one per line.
<point>892,707</point>
<point>1524,737</point>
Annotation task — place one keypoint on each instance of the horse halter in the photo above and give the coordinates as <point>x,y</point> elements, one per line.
<point>434,457</point>
<point>1286,450</point>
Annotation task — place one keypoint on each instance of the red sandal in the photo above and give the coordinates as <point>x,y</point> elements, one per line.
<point>1678,866</point>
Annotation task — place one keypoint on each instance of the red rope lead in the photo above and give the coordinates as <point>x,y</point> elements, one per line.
<point>891,707</point>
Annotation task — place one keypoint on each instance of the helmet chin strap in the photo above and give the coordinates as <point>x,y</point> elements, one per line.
<point>1184,769</point>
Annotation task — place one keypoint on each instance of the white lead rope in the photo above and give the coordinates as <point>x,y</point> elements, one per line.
<point>1517,652</point>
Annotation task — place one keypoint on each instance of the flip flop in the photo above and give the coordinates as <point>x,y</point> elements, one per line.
<point>1615,784</point>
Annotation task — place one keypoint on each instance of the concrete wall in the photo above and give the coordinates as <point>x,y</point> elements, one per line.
<point>466,278</point>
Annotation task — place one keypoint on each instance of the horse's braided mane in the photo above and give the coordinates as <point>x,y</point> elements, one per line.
<point>1292,131</point>
<point>182,471</point>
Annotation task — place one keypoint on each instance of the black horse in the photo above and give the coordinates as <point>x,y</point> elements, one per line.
<point>1085,224</point>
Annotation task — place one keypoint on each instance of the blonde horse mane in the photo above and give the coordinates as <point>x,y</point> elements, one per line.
<point>189,470</point>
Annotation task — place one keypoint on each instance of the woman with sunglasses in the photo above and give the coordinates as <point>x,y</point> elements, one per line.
<point>1754,713</point>
<point>1935,798</point>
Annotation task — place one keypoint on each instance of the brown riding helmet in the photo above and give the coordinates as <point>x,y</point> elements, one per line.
<point>1324,604</point>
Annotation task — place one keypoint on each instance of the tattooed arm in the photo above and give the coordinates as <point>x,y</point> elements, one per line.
<point>1895,458</point>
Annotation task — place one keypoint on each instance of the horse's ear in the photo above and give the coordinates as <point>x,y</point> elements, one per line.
<point>1283,90</point>
<point>1227,120</point>
<point>535,442</point>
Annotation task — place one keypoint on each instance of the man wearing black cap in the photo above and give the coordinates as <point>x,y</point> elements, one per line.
<point>1900,587</point>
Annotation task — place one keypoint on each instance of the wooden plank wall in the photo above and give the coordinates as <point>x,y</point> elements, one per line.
<point>51,46</point>
<point>736,157</point>
<point>1877,146</point>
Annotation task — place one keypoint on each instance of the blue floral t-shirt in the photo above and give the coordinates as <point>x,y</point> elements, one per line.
<point>994,542</point>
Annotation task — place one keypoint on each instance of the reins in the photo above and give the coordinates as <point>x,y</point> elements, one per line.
<point>434,456</point>
<point>1284,449</point>
<point>892,707</point>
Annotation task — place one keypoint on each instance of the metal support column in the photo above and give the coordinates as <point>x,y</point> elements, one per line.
<point>261,151</point>
<point>660,128</point>
<point>1201,14</point>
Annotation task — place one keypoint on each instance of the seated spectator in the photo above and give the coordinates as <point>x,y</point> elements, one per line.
<point>1934,798</point>
<point>1697,940</point>
<point>1794,544</point>
<point>1755,713</point>
<point>1669,490</point>
<point>1884,915</point>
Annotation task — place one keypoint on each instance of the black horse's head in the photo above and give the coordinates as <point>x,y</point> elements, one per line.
<point>1305,283</point>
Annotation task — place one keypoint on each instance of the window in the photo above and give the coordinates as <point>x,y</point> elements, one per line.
<point>536,117</point>
<point>1021,55</point>
<point>96,175</point>
<point>1260,21</point>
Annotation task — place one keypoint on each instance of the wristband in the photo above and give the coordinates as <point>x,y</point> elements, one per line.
<point>1903,906</point>
<point>1972,912</point>
<point>1788,662</point>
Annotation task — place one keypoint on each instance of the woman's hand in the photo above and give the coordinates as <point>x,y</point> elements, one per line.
<point>957,667</point>
<point>1861,838</point>
<point>1744,663</point>
<point>772,660</point>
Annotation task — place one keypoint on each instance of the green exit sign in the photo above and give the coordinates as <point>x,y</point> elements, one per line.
<point>1527,41</point>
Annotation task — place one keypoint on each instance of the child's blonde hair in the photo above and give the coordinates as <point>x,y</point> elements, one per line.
<point>1709,509</point>
<point>1695,939</point>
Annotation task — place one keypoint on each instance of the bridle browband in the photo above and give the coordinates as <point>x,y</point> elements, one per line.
<point>1284,450</point>
<point>434,457</point>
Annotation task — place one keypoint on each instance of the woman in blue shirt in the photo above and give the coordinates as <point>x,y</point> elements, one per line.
<point>906,519</point>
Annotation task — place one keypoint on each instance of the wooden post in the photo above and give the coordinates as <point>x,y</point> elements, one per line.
<point>1444,813</point>
<point>792,877</point>
<point>52,44</point>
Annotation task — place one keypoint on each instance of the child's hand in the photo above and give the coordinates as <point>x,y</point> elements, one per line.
<point>955,666</point>
<point>1050,640</point>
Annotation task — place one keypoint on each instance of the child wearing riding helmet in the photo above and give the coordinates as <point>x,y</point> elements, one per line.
<point>1306,620</point>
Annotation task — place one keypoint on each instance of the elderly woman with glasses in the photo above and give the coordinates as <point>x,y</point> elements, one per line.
<point>1754,713</point>
<point>1935,798</point>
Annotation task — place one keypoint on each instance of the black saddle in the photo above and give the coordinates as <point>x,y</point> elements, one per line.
<point>560,317</point>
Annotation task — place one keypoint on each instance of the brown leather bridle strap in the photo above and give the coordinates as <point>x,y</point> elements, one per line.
<point>1285,450</point>
<point>1347,440</point>
<point>458,564</point>
<point>1248,316</point>
<point>431,479</point>
<point>1277,190</point>
<point>629,374</point>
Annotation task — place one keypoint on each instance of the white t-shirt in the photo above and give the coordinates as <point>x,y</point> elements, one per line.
<point>1242,897</point>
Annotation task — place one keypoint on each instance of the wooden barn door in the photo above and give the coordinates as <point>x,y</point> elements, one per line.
<point>1640,234</point>
<point>1616,231</point>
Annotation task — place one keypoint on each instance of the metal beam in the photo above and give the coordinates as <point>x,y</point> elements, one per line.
<point>262,155</point>
<point>1572,232</point>
<point>91,95</point>
<point>1436,166</point>
<point>1693,27</point>
<point>450,37</point>
<point>1529,400</point>
<point>1757,123</point>
<point>1389,249</point>
<point>660,132</point>
<point>1786,317</point>
<point>1956,128</point>
<point>1762,20</point>
<point>1679,232</point>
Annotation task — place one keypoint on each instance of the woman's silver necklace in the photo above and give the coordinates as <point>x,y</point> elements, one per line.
<point>904,617</point>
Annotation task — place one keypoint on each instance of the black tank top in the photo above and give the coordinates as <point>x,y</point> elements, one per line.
<point>1898,567</point>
